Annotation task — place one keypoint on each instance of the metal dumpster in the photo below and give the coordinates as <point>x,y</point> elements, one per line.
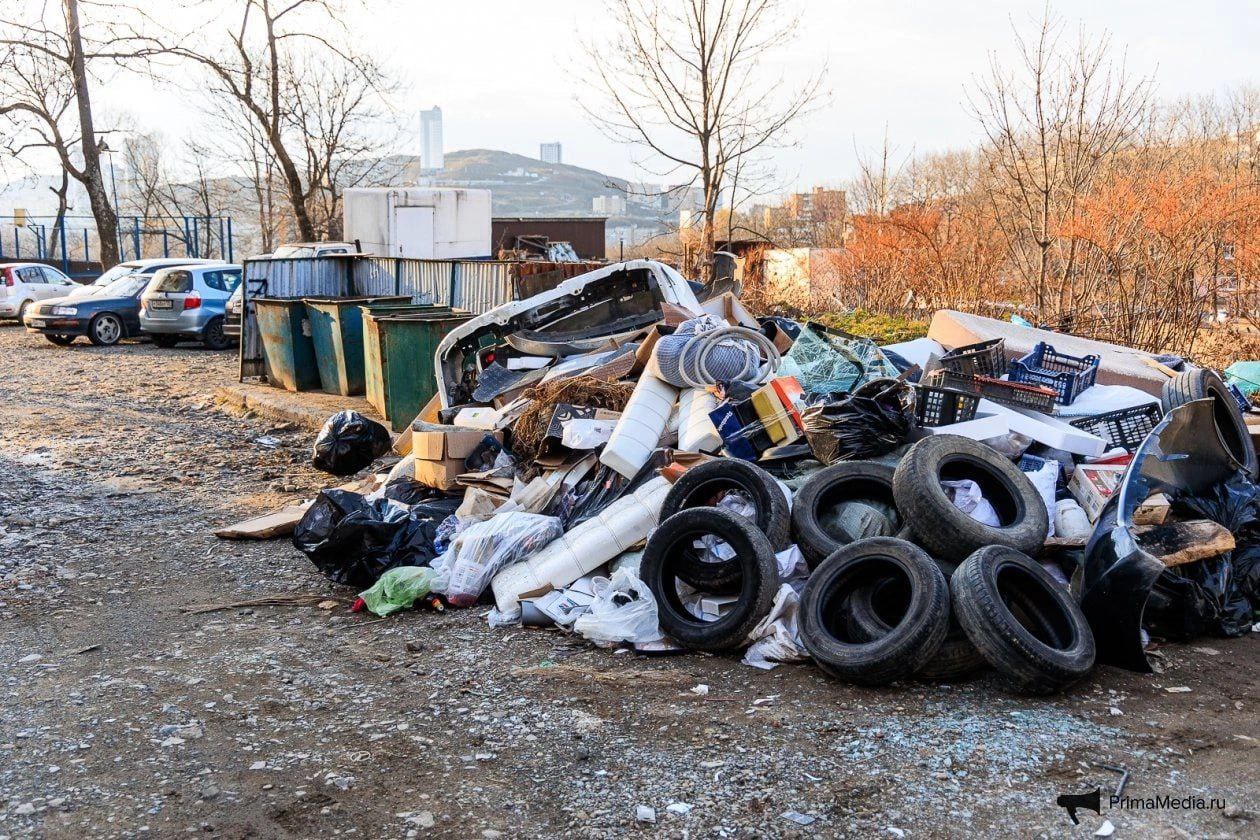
<point>337,333</point>
<point>372,342</point>
<point>288,352</point>
<point>398,355</point>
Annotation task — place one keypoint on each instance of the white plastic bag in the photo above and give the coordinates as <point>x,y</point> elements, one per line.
<point>966,496</point>
<point>776,638</point>
<point>586,433</point>
<point>623,612</point>
<point>483,548</point>
<point>1045,480</point>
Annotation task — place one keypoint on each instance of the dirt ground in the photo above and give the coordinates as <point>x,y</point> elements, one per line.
<point>127,715</point>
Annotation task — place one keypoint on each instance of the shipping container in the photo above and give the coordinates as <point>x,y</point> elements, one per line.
<point>426,224</point>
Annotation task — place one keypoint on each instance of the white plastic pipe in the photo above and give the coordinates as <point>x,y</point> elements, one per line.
<point>696,430</point>
<point>584,549</point>
<point>641,425</point>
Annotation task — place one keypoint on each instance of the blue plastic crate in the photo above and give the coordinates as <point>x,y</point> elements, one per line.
<point>1066,375</point>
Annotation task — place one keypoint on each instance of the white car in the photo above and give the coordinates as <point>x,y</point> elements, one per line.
<point>22,284</point>
<point>312,249</point>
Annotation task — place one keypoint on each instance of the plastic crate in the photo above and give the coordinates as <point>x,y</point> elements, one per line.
<point>1127,427</point>
<point>987,358</point>
<point>1244,404</point>
<point>1014,394</point>
<point>1066,375</point>
<point>936,406</point>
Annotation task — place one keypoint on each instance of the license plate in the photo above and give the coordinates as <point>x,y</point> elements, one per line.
<point>37,322</point>
<point>161,304</point>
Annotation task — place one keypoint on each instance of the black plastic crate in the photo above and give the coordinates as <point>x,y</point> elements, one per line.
<point>935,406</point>
<point>1066,375</point>
<point>1127,427</point>
<point>986,358</point>
<point>999,390</point>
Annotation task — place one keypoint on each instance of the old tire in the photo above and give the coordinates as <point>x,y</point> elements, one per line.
<point>699,487</point>
<point>1202,383</point>
<point>824,490</point>
<point>105,330</point>
<point>908,646</point>
<point>60,340</point>
<point>165,341</point>
<point>1023,621</point>
<point>758,582</point>
<point>874,610</point>
<point>944,530</point>
<point>213,337</point>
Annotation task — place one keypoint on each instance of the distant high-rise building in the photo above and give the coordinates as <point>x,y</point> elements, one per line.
<point>549,152</point>
<point>431,140</point>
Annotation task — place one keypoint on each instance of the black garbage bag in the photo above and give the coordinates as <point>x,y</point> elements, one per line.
<point>348,443</point>
<point>872,421</point>
<point>411,492</point>
<point>354,541</point>
<point>1219,595</point>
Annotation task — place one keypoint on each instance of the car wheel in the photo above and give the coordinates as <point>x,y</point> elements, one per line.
<point>166,341</point>
<point>60,340</point>
<point>105,330</point>
<point>213,337</point>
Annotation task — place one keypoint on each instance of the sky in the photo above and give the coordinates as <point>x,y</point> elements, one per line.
<point>507,73</point>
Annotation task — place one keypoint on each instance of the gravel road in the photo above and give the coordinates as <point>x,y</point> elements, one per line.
<point>127,715</point>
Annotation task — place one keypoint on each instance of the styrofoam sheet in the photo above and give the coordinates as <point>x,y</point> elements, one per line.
<point>1045,429</point>
<point>983,427</point>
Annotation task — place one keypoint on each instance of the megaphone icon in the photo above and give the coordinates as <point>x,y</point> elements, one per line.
<point>1072,801</point>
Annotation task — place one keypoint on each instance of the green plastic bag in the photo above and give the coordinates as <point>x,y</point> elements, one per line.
<point>398,589</point>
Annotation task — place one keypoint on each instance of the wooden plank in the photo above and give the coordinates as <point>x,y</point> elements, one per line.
<point>1178,543</point>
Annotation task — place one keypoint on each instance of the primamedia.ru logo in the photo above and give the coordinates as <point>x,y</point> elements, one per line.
<point>1167,802</point>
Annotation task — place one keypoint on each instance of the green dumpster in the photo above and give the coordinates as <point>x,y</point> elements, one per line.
<point>288,352</point>
<point>398,354</point>
<point>372,342</point>
<point>337,333</point>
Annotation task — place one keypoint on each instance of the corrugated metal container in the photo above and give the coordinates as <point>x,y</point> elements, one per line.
<point>481,285</point>
<point>286,278</point>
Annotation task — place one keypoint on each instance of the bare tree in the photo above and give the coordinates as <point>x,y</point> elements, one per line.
<point>288,78</point>
<point>1051,126</point>
<point>688,81</point>
<point>48,61</point>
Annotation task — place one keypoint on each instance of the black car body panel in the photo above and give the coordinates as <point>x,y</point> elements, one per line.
<point>42,319</point>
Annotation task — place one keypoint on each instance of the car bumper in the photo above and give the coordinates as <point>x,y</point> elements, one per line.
<point>9,309</point>
<point>56,325</point>
<point>189,322</point>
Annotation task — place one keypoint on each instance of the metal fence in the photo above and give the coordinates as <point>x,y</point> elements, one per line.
<point>473,285</point>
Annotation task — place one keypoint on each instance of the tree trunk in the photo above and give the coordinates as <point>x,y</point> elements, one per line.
<point>98,197</point>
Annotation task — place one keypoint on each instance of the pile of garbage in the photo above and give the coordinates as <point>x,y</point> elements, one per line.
<point>675,474</point>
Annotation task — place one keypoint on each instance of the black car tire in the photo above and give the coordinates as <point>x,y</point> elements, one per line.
<point>829,487</point>
<point>758,584</point>
<point>873,610</point>
<point>908,646</point>
<point>1202,383</point>
<point>60,340</point>
<point>165,341</point>
<point>948,532</point>
<point>106,330</point>
<point>698,487</point>
<point>212,336</point>
<point>1023,621</point>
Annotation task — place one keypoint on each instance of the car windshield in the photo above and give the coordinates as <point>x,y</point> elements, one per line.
<point>128,286</point>
<point>294,251</point>
<point>120,270</point>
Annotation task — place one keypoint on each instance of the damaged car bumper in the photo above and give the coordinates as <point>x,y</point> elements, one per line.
<point>592,311</point>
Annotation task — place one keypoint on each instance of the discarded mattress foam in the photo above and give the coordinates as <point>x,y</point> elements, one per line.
<point>585,548</point>
<point>696,431</point>
<point>1119,366</point>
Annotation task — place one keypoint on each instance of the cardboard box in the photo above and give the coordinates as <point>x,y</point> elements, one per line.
<point>1093,485</point>
<point>792,395</point>
<point>449,443</point>
<point>440,474</point>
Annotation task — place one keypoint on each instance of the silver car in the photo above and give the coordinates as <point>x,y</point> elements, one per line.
<point>187,304</point>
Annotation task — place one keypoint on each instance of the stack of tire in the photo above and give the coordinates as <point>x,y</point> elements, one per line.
<point>948,594</point>
<point>674,554</point>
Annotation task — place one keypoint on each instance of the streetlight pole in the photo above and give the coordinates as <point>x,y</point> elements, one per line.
<point>113,181</point>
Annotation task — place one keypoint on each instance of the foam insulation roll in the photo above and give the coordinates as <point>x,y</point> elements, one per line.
<point>696,430</point>
<point>642,423</point>
<point>584,549</point>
